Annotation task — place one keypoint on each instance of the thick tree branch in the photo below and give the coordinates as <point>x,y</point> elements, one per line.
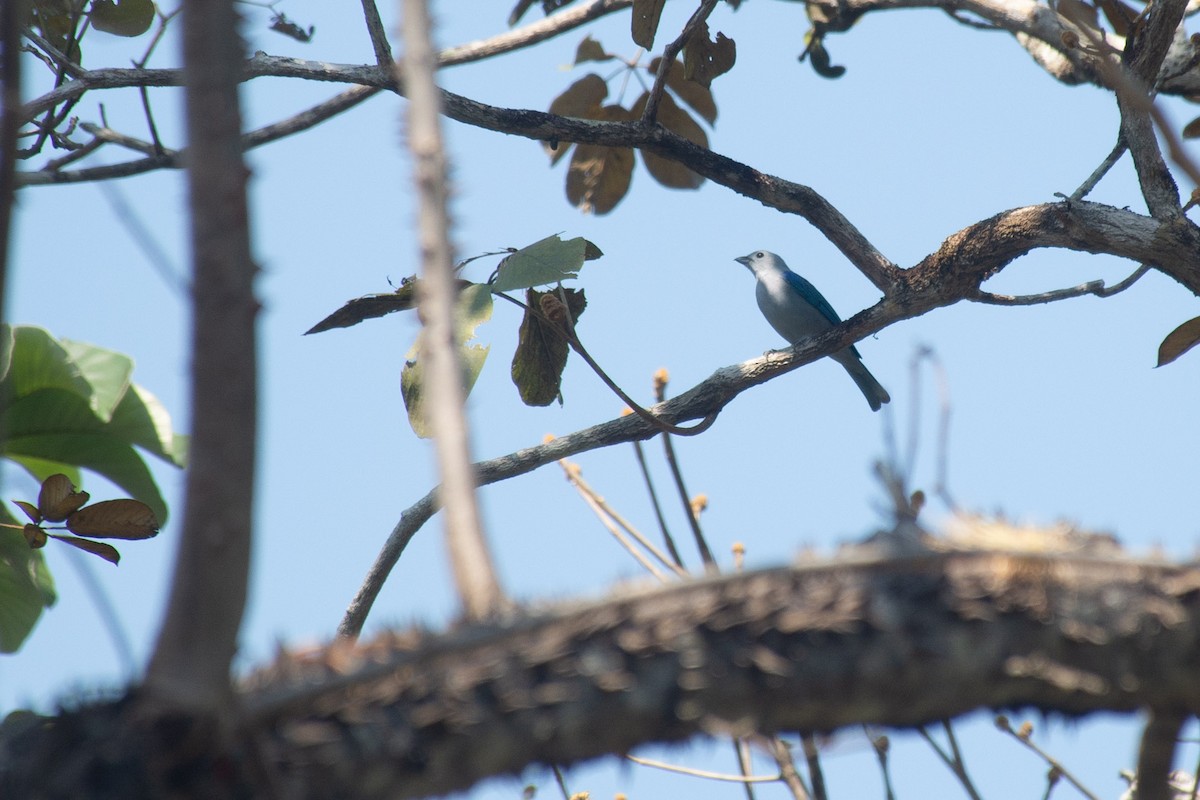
<point>1066,623</point>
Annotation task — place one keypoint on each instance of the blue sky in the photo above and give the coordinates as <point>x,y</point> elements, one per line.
<point>1056,410</point>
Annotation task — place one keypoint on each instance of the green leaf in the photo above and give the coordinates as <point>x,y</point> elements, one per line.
<point>542,350</point>
<point>26,586</point>
<point>550,260</point>
<point>108,373</point>
<point>123,17</point>
<point>1179,341</point>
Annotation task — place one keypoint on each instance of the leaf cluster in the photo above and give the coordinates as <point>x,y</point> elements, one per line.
<point>547,326</point>
<point>58,501</point>
<point>65,406</point>
<point>599,177</point>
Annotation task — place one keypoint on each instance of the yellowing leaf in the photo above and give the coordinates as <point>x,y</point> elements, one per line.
<point>599,176</point>
<point>58,498</point>
<point>1179,341</point>
<point>646,14</point>
<point>705,59</point>
<point>670,173</point>
<point>123,18</point>
<point>114,519</point>
<point>700,98</point>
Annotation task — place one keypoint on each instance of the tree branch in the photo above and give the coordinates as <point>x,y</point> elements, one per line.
<point>951,274</point>
<point>190,664</point>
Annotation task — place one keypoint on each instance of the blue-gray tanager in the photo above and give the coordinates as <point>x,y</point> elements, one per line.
<point>796,310</point>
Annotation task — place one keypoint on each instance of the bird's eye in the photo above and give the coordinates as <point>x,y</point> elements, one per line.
<point>759,254</point>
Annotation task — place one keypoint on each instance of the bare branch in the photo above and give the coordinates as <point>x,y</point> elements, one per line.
<point>779,649</point>
<point>1096,288</point>
<point>668,58</point>
<point>474,571</point>
<point>379,39</point>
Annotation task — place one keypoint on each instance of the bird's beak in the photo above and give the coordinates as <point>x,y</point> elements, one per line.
<point>743,260</point>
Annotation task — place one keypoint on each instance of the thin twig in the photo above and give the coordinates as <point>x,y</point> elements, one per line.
<point>474,570</point>
<point>605,511</point>
<point>791,777</point>
<point>569,333</point>
<point>700,773</point>
<point>106,611</point>
<point>668,540</point>
<point>1086,187</point>
<point>741,751</point>
<point>880,745</point>
<point>1096,288</point>
<point>110,136</point>
<point>1026,739</point>
<point>669,53</point>
<point>812,757</point>
<point>952,760</point>
<point>144,239</point>
<point>706,556</point>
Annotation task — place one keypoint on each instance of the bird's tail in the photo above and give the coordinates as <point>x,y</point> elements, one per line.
<point>874,392</point>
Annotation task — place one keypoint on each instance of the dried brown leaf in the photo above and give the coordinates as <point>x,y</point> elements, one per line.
<point>1192,129</point>
<point>591,50</point>
<point>114,519</point>
<point>1179,341</point>
<point>581,99</point>
<point>646,14</point>
<point>105,551</point>
<point>667,172</point>
<point>699,98</point>
<point>599,176</point>
<point>705,59</point>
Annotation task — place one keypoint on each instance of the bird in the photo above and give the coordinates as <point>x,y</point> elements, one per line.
<point>796,310</point>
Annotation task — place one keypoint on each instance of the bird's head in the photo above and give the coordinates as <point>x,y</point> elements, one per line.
<point>762,261</point>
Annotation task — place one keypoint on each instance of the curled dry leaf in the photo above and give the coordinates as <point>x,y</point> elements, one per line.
<point>114,519</point>
<point>58,498</point>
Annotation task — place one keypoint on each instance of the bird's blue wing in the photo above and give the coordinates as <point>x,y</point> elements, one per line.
<point>812,296</point>
<point>816,300</point>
